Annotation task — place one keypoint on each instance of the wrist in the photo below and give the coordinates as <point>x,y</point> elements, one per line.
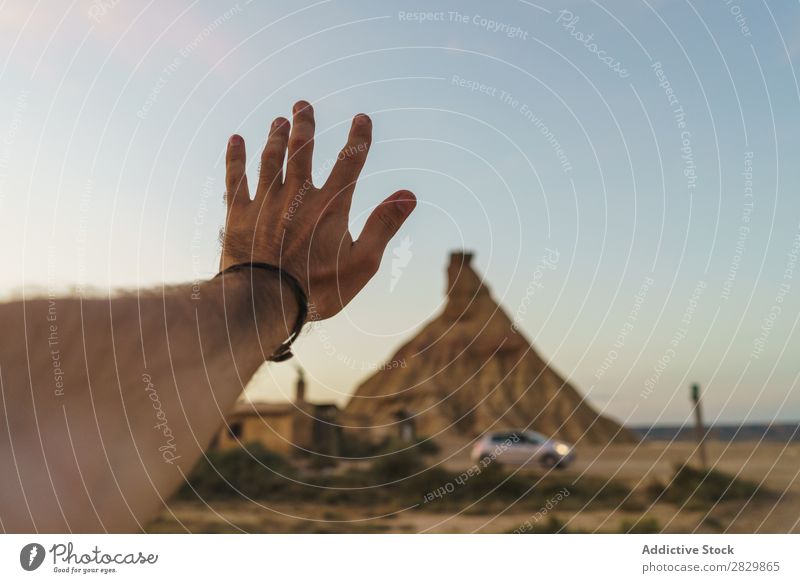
<point>276,292</point>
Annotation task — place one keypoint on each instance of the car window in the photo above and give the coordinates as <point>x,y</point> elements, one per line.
<point>512,438</point>
<point>536,438</point>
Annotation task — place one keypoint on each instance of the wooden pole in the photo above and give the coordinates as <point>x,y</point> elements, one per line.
<point>699,429</point>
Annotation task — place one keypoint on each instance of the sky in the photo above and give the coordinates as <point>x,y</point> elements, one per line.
<point>645,147</point>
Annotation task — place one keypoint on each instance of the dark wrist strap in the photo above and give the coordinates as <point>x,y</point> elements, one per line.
<point>284,351</point>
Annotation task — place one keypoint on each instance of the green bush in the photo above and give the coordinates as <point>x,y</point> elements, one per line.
<point>494,488</point>
<point>321,462</point>
<point>421,447</point>
<point>427,446</point>
<point>399,479</point>
<point>550,526</point>
<point>713,523</point>
<point>353,447</point>
<point>397,466</point>
<point>642,525</point>
<point>698,488</point>
<point>252,471</point>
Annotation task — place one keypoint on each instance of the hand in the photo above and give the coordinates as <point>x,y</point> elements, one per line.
<point>304,229</point>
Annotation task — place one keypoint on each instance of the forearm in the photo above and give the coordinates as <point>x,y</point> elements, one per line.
<point>107,404</point>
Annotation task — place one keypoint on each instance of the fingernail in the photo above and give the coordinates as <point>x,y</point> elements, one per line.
<point>236,140</point>
<point>405,203</point>
<point>362,119</point>
<point>302,105</point>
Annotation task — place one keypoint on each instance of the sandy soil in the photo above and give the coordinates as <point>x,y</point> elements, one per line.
<point>776,466</point>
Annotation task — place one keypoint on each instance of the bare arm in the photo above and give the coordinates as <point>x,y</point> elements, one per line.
<point>107,404</point>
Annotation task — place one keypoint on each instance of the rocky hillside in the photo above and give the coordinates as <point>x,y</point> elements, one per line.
<point>468,371</point>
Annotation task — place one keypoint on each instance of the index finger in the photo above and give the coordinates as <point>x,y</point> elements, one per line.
<point>236,190</point>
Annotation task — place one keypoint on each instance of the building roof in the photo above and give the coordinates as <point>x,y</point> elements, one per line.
<point>262,408</point>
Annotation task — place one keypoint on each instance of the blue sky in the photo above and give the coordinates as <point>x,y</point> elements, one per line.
<point>519,135</point>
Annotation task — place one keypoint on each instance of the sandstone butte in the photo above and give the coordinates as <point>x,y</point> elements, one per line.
<point>469,371</point>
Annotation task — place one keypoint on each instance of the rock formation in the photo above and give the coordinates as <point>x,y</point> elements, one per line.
<point>468,371</point>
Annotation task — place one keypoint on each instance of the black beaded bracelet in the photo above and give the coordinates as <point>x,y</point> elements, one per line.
<point>284,351</point>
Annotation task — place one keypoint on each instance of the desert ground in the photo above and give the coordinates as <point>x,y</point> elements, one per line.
<point>775,466</point>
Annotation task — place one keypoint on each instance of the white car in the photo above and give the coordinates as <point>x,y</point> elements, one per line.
<point>523,448</point>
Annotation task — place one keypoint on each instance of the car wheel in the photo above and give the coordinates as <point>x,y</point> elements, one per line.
<point>549,461</point>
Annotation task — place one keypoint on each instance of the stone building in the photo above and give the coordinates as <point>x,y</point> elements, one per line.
<point>291,429</point>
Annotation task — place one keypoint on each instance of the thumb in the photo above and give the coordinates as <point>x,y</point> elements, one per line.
<point>385,221</point>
